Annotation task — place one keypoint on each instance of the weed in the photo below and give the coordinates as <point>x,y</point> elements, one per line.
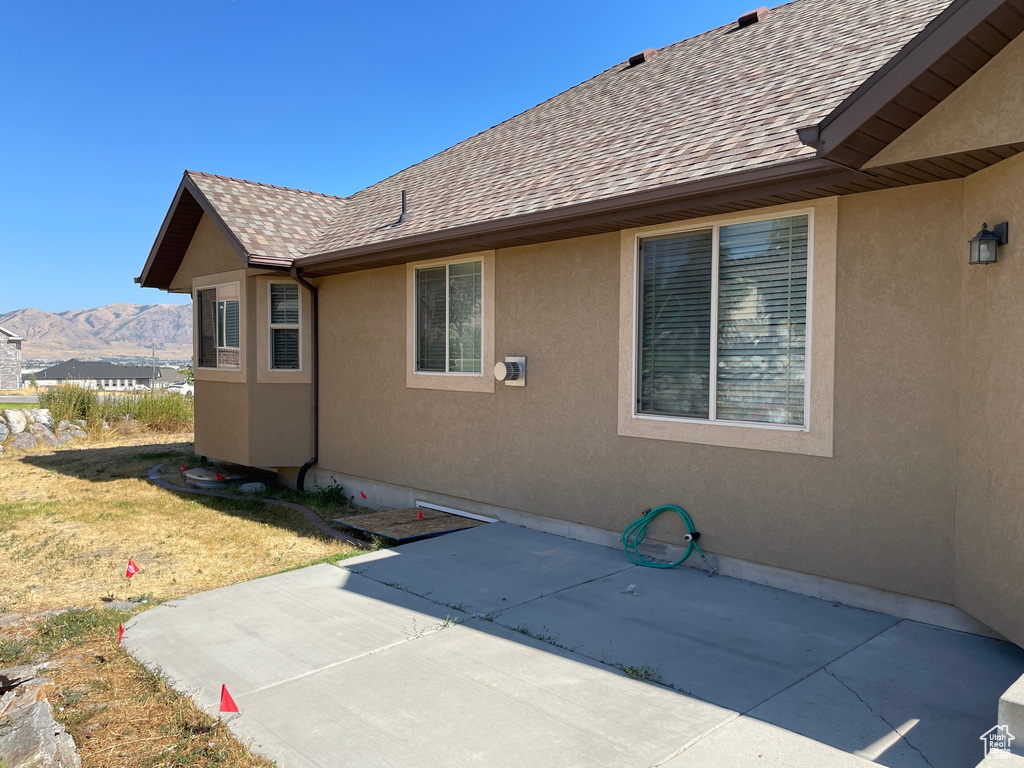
<point>544,636</point>
<point>158,411</point>
<point>14,653</point>
<point>73,628</point>
<point>644,672</point>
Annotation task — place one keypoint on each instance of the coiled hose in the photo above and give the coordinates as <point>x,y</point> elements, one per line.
<point>636,532</point>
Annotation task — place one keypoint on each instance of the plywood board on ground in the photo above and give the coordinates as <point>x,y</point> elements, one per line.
<point>400,526</point>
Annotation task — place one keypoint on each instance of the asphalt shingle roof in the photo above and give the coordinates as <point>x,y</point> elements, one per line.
<point>87,370</point>
<point>277,223</point>
<point>725,101</point>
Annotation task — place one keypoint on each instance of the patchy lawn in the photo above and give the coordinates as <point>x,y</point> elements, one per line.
<point>69,520</point>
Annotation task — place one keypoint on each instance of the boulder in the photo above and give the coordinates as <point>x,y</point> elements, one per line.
<point>41,416</point>
<point>29,736</point>
<point>45,434</point>
<point>67,430</point>
<point>4,430</point>
<point>252,487</point>
<point>16,419</point>
<point>23,441</point>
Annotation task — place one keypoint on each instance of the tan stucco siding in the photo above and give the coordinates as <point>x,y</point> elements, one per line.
<point>207,254</point>
<point>222,421</point>
<point>879,513</point>
<point>280,418</point>
<point>990,489</point>
<point>986,111</point>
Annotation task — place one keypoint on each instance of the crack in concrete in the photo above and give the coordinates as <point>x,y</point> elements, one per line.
<point>871,709</point>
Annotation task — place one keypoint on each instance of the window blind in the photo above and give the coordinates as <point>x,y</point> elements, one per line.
<point>430,318</point>
<point>284,304</point>
<point>285,342</point>
<point>207,328</point>
<point>465,320</point>
<point>675,312</point>
<point>762,321</point>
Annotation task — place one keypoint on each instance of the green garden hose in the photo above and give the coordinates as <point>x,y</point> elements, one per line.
<point>636,532</point>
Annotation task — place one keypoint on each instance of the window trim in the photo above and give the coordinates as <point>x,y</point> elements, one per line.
<point>272,326</point>
<point>815,436</point>
<point>447,380</point>
<point>198,311</point>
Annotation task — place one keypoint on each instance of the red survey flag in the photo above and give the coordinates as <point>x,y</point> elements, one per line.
<point>362,494</point>
<point>132,569</point>
<point>420,517</point>
<point>220,476</point>
<point>120,633</point>
<point>182,470</point>
<point>227,704</point>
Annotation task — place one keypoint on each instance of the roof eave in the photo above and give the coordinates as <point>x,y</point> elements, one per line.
<point>190,188</point>
<point>945,54</point>
<point>775,184</point>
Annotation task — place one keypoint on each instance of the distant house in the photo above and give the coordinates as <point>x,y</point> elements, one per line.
<point>99,375</point>
<point>10,360</point>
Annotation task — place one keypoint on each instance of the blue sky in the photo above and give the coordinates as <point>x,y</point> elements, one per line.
<point>105,104</point>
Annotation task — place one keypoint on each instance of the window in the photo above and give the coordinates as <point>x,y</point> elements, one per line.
<point>284,326</point>
<point>218,320</point>
<point>723,323</point>
<point>449,318</point>
<point>727,329</point>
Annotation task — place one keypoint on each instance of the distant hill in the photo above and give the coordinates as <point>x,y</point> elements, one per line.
<point>115,332</point>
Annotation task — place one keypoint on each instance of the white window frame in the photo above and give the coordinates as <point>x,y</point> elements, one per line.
<point>713,363</point>
<point>815,437</point>
<point>272,326</point>
<point>447,317</point>
<point>216,331</point>
<point>446,380</point>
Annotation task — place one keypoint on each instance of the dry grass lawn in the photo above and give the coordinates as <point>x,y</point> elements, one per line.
<point>69,520</point>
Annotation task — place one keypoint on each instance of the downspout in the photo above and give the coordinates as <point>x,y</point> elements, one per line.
<point>315,330</point>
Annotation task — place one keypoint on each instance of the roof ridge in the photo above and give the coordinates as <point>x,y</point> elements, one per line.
<point>264,184</point>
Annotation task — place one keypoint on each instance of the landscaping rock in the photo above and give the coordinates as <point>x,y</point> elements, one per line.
<point>29,736</point>
<point>121,605</point>
<point>45,434</point>
<point>67,431</point>
<point>4,430</point>
<point>252,487</point>
<point>41,416</point>
<point>22,441</point>
<point>16,419</point>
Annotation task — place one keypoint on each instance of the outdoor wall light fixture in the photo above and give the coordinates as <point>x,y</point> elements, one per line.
<point>985,244</point>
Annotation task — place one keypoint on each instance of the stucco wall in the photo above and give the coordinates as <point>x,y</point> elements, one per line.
<point>222,421</point>
<point>879,513</point>
<point>983,112</point>
<point>990,488</point>
<point>207,254</point>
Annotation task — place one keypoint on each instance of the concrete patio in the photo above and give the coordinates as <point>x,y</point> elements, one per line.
<point>502,646</point>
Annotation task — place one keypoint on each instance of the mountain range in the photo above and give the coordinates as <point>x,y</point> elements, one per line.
<point>121,332</point>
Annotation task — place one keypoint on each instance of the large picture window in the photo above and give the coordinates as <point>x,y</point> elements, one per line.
<point>284,327</point>
<point>722,326</point>
<point>449,318</point>
<point>218,320</point>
